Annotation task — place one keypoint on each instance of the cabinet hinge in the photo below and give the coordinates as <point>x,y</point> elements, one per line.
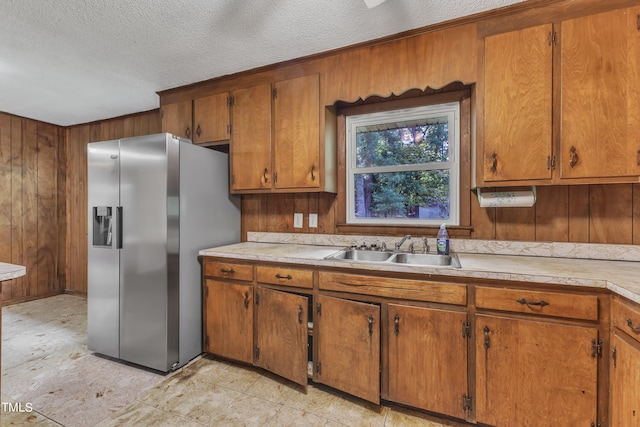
<point>275,177</point>
<point>206,291</point>
<point>551,162</point>
<point>257,353</point>
<point>596,425</point>
<point>614,356</point>
<point>230,101</point>
<point>553,38</point>
<point>257,299</point>
<point>467,402</point>
<point>466,329</point>
<point>318,309</point>
<point>318,368</point>
<point>638,22</point>
<point>229,129</point>
<point>596,348</point>
<point>275,93</point>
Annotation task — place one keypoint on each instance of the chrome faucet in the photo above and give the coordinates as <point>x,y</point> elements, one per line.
<point>408,236</point>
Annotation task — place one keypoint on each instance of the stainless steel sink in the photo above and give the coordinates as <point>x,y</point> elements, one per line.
<point>361,255</point>
<point>427,260</point>
<point>432,260</point>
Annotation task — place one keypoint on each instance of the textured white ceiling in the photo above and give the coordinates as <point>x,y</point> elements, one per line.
<point>74,61</point>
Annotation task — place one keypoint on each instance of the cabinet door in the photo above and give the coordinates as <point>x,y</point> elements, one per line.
<point>211,118</point>
<point>533,373</point>
<point>348,342</point>
<point>281,321</point>
<point>625,378</point>
<point>229,320</point>
<point>600,85</point>
<point>427,359</point>
<point>517,105</point>
<point>250,147</point>
<point>296,132</point>
<point>176,119</point>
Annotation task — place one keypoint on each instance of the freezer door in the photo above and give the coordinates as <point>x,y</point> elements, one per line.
<point>103,257</point>
<point>150,221</point>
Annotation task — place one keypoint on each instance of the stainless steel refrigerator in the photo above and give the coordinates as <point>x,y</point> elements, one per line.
<point>154,202</point>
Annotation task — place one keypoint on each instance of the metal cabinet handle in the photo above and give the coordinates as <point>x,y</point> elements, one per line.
<point>227,270</point>
<point>313,168</point>
<point>396,324</point>
<point>370,320</point>
<point>246,300</point>
<point>198,130</point>
<point>494,162</point>
<point>524,301</point>
<point>487,340</point>
<point>280,276</point>
<point>300,315</point>
<point>187,132</point>
<point>573,156</point>
<point>638,158</point>
<point>264,175</point>
<point>634,328</point>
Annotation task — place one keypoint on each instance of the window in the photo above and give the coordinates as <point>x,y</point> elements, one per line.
<point>403,166</point>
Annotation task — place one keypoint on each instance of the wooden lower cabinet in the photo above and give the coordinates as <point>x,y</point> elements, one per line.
<point>428,358</point>
<point>348,343</point>
<point>625,381</point>
<point>229,320</point>
<point>281,325</point>
<point>535,373</point>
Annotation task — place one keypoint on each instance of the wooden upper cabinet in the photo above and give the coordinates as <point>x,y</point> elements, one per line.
<point>518,105</point>
<point>296,109</point>
<point>600,124</point>
<point>176,119</point>
<point>251,138</point>
<point>211,118</point>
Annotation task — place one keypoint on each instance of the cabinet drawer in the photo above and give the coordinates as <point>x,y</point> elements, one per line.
<point>286,276</point>
<point>538,302</point>
<point>417,290</point>
<point>228,270</point>
<point>626,317</point>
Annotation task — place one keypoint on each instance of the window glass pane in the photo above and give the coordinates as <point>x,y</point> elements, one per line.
<point>402,195</point>
<point>403,143</point>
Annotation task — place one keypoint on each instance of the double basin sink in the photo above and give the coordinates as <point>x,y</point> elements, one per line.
<point>393,257</point>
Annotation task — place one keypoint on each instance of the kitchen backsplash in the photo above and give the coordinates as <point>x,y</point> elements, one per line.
<point>498,247</point>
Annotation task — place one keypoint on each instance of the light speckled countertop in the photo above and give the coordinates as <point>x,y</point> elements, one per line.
<point>11,271</point>
<point>621,277</point>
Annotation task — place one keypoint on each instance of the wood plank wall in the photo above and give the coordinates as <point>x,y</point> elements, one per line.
<point>77,137</point>
<point>33,196</point>
<point>606,213</point>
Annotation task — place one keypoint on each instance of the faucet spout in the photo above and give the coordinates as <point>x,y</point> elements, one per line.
<point>404,239</point>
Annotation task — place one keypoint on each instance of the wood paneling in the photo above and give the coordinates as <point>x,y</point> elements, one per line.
<point>33,206</point>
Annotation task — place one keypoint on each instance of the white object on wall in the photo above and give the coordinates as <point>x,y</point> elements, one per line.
<point>501,199</point>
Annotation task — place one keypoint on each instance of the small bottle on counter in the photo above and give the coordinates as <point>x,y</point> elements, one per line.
<point>442,244</point>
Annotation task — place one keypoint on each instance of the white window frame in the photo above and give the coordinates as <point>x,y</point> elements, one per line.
<point>450,110</point>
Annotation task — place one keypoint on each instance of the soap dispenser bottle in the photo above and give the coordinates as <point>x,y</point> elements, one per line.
<point>442,244</point>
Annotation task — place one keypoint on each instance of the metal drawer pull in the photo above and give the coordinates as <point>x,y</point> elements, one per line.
<point>634,328</point>
<point>573,157</point>
<point>280,276</point>
<point>313,168</point>
<point>494,162</point>
<point>264,175</point>
<point>487,340</point>
<point>300,314</point>
<point>227,270</point>
<point>540,303</point>
<point>370,320</point>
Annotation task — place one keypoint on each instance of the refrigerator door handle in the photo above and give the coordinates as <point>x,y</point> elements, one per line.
<point>119,233</point>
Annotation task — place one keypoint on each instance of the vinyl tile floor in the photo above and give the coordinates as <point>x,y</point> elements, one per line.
<point>49,378</point>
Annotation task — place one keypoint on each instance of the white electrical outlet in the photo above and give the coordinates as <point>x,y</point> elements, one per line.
<point>313,220</point>
<point>297,220</point>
